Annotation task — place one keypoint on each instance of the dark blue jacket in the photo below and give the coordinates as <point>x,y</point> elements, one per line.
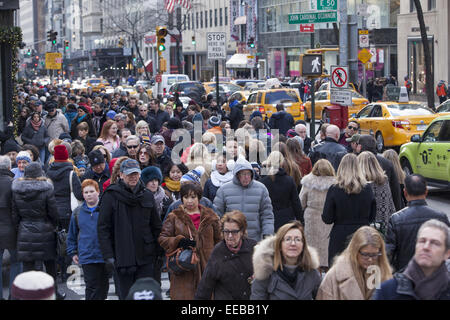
<point>99,178</point>
<point>282,121</point>
<point>160,117</point>
<point>82,238</point>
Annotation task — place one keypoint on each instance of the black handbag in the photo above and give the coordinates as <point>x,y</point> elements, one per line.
<point>182,260</point>
<point>61,242</point>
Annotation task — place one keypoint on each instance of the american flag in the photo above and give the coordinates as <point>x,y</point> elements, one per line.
<point>170,4</point>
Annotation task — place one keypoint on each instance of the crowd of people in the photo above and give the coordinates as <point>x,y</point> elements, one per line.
<point>270,212</point>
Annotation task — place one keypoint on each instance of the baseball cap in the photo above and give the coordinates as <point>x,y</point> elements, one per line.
<point>130,166</point>
<point>353,138</point>
<point>157,138</point>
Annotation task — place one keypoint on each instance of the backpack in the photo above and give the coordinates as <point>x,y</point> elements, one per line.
<point>408,84</point>
<point>441,90</point>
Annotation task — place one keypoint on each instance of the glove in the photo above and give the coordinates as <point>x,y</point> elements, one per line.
<point>109,265</point>
<point>185,243</point>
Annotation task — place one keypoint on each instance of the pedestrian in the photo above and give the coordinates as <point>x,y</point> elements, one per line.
<point>408,85</point>
<point>285,266</point>
<point>84,137</point>
<point>348,278</point>
<point>163,154</point>
<point>282,191</point>
<point>23,159</point>
<point>128,228</point>
<point>36,218</point>
<point>404,224</point>
<point>152,178</point>
<point>250,197</point>
<point>349,204</point>
<point>289,164</point>
<point>55,122</point>
<point>345,138</point>
<point>159,115</point>
<point>222,172</point>
<point>441,91</point>
<point>35,133</point>
<point>281,120</point>
<point>312,197</point>
<point>172,180</point>
<point>122,150</point>
<point>190,225</point>
<point>108,136</point>
<point>353,143</point>
<point>392,155</point>
<point>98,171</point>
<point>426,276</point>
<point>145,156</point>
<point>300,158</point>
<point>236,114</point>
<point>8,233</point>
<point>229,271</point>
<point>83,246</point>
<point>377,179</point>
<point>11,149</point>
<point>83,115</point>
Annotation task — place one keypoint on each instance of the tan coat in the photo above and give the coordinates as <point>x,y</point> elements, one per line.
<point>312,196</point>
<point>175,227</point>
<point>339,283</point>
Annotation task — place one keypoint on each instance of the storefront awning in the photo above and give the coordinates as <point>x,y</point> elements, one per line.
<point>240,20</point>
<point>238,60</point>
<point>148,65</point>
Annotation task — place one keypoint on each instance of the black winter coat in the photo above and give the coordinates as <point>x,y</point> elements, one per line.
<point>282,121</point>
<point>59,172</point>
<point>330,150</point>
<point>285,200</point>
<point>99,178</point>
<point>128,225</point>
<point>37,138</point>
<point>227,274</point>
<point>75,123</point>
<point>160,117</point>
<point>236,116</point>
<point>348,212</point>
<point>7,228</point>
<point>402,231</point>
<point>35,213</point>
<point>210,190</point>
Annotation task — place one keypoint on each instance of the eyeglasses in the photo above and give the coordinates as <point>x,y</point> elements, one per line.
<point>297,240</point>
<point>352,128</point>
<point>367,255</point>
<point>232,232</point>
<point>132,147</point>
<point>142,110</point>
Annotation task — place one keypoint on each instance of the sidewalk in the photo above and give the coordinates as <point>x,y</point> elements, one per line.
<point>423,98</point>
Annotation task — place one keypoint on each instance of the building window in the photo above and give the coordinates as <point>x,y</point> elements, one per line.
<point>206,18</point>
<point>220,17</point>
<point>215,17</point>
<point>201,19</point>
<point>210,18</point>
<point>412,6</point>
<point>196,20</point>
<point>226,16</point>
<point>188,17</point>
<point>431,5</point>
<point>193,22</point>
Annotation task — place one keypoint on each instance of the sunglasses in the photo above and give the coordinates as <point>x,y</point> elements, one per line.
<point>132,147</point>
<point>352,128</point>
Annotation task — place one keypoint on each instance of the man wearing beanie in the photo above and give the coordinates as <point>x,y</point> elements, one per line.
<point>10,148</point>
<point>23,159</point>
<point>214,125</point>
<point>98,170</point>
<point>61,171</point>
<point>128,228</point>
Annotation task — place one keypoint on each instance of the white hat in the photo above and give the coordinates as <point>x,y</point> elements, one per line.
<point>33,285</point>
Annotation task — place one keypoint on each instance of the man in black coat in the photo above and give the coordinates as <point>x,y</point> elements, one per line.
<point>128,227</point>
<point>7,228</point>
<point>144,115</point>
<point>98,170</point>
<point>159,115</point>
<point>403,225</point>
<point>330,149</point>
<point>236,114</point>
<point>281,120</point>
<point>367,143</point>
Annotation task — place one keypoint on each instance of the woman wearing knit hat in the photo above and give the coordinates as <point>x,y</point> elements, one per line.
<point>23,159</point>
<point>152,178</point>
<point>36,214</point>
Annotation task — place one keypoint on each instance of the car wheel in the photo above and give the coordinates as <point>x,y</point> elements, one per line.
<point>406,166</point>
<point>380,142</point>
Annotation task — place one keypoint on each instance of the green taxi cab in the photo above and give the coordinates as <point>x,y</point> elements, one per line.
<point>429,154</point>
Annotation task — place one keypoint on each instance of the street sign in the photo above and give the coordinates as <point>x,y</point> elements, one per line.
<point>311,64</point>
<point>307,28</point>
<point>341,97</point>
<point>217,49</point>
<point>326,4</point>
<point>53,60</point>
<point>362,10</point>
<point>158,78</point>
<point>364,55</point>
<point>313,17</point>
<point>363,41</point>
<point>339,77</point>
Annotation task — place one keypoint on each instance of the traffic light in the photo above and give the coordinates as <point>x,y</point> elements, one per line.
<point>51,36</point>
<point>121,42</point>
<point>29,52</point>
<point>161,32</point>
<point>66,44</point>
<point>193,39</point>
<point>162,65</point>
<point>251,42</point>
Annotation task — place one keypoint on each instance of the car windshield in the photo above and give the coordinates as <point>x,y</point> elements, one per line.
<point>281,97</point>
<point>444,108</point>
<point>397,110</point>
<point>357,95</point>
<point>186,87</point>
<point>171,80</point>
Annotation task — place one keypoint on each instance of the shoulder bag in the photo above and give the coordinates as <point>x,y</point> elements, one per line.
<point>74,203</point>
<point>182,260</point>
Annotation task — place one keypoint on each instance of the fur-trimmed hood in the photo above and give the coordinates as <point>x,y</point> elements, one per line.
<point>22,185</point>
<point>322,183</point>
<point>263,258</point>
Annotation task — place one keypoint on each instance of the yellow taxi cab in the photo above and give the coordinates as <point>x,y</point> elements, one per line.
<point>393,123</point>
<point>322,99</point>
<point>96,83</point>
<point>149,92</point>
<point>223,86</point>
<point>265,101</point>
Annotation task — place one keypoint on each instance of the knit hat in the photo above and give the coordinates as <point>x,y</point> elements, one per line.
<point>33,285</point>
<point>291,133</point>
<point>151,173</point>
<point>10,145</point>
<point>174,123</point>
<point>50,105</point>
<point>23,155</point>
<point>213,122</point>
<point>111,114</point>
<point>61,153</point>
<point>255,113</point>
<point>33,170</point>
<point>145,139</point>
<point>96,157</point>
<point>83,107</point>
<point>145,289</point>
<point>193,175</point>
<point>81,164</point>
<point>65,137</point>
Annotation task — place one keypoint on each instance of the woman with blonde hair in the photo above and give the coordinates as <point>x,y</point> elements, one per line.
<point>285,266</point>
<point>210,141</point>
<point>312,197</point>
<point>282,191</point>
<point>142,128</point>
<point>392,155</point>
<point>350,276</point>
<point>108,136</point>
<point>379,182</point>
<point>349,204</point>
